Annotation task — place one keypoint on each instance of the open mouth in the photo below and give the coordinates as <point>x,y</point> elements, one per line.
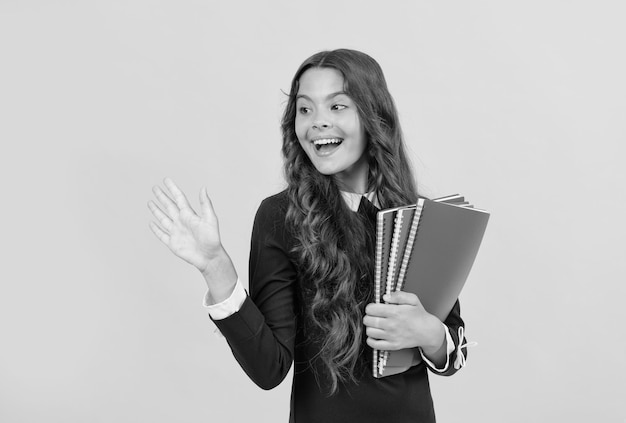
<point>327,144</point>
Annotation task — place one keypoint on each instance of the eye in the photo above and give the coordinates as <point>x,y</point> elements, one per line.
<point>338,107</point>
<point>303,110</point>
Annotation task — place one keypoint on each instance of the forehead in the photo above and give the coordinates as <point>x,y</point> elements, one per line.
<point>320,82</point>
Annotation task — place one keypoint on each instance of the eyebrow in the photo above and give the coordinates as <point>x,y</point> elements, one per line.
<point>328,97</point>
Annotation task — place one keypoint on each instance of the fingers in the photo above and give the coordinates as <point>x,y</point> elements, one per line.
<point>375,333</point>
<point>374,322</point>
<point>401,297</point>
<point>167,203</point>
<point>162,218</point>
<point>177,194</point>
<point>163,237</point>
<point>388,308</point>
<point>382,310</point>
<point>382,344</point>
<point>382,333</point>
<point>377,336</point>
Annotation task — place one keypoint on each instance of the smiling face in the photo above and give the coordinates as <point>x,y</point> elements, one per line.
<point>329,129</point>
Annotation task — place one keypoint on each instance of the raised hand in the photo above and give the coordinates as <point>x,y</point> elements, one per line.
<point>191,236</point>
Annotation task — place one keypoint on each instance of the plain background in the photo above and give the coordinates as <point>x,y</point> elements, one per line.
<point>518,105</point>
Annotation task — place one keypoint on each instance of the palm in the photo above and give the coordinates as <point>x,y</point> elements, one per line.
<point>193,237</point>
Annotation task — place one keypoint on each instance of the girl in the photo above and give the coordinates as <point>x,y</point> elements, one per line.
<point>311,259</point>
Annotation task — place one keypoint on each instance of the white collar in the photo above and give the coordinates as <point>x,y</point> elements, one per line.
<point>353,199</point>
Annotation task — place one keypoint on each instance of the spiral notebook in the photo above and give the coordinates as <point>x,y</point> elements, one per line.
<point>428,249</point>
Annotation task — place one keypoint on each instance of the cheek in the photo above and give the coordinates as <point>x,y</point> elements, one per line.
<point>300,127</point>
<point>301,136</point>
<point>357,129</point>
<point>362,145</point>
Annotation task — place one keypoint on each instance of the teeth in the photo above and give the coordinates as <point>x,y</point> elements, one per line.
<point>325,141</point>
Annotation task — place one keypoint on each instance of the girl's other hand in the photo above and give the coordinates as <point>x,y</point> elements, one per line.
<point>191,236</point>
<point>402,322</point>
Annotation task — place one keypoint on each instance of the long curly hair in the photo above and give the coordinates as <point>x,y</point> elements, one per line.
<point>331,240</point>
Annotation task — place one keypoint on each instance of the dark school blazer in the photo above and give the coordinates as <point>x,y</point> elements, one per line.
<point>266,336</point>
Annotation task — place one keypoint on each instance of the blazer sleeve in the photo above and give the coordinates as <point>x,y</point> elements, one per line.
<point>456,327</point>
<point>262,333</point>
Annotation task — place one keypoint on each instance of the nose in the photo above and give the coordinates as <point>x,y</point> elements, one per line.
<point>321,121</point>
<point>321,125</point>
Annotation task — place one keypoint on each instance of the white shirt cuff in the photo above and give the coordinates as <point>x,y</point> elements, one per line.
<point>449,349</point>
<point>229,306</point>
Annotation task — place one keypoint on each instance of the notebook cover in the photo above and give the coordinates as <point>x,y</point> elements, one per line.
<point>447,242</point>
<point>449,234</point>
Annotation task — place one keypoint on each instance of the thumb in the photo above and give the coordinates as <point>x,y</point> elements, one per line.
<point>401,297</point>
<point>206,207</point>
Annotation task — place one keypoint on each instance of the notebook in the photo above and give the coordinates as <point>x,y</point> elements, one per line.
<point>427,249</point>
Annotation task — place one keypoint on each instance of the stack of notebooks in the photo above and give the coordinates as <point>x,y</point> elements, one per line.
<point>428,249</point>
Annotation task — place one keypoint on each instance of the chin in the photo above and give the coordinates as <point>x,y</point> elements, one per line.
<point>326,170</point>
